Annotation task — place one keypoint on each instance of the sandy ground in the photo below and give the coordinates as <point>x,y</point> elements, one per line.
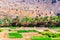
<point>4,36</point>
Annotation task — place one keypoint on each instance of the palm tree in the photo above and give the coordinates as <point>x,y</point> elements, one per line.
<point>42,21</point>
<point>37,19</point>
<point>25,21</point>
<point>32,22</point>
<point>1,22</point>
<point>15,21</point>
<point>6,21</point>
<point>45,21</point>
<point>54,20</point>
<point>57,20</point>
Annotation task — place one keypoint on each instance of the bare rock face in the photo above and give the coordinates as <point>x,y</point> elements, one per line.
<point>31,8</point>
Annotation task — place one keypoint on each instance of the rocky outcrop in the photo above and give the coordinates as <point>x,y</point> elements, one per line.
<point>31,8</point>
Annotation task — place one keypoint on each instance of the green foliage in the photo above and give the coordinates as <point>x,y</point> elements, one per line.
<point>25,19</point>
<point>1,21</point>
<point>6,21</point>
<point>50,34</point>
<point>47,30</point>
<point>28,21</point>
<point>45,18</point>
<point>55,38</point>
<point>0,30</point>
<point>32,31</point>
<point>55,18</point>
<point>15,35</point>
<point>58,30</point>
<point>31,20</point>
<point>58,35</point>
<point>26,31</point>
<point>41,38</point>
<point>12,27</point>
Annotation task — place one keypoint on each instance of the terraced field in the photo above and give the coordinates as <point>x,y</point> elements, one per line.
<point>20,33</point>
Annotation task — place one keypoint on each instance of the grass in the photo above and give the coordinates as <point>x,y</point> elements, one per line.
<point>58,35</point>
<point>50,34</point>
<point>53,27</point>
<point>13,31</point>
<point>15,35</point>
<point>13,27</point>
<point>58,30</point>
<point>0,30</point>
<point>26,31</point>
<point>55,38</point>
<point>41,38</point>
<point>47,36</point>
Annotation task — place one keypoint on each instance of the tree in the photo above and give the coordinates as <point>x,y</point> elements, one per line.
<point>1,22</point>
<point>26,21</point>
<point>15,21</point>
<point>33,22</point>
<point>6,21</point>
<point>57,19</point>
<point>45,21</point>
<point>54,20</point>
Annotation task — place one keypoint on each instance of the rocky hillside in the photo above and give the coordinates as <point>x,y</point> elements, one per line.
<point>31,8</point>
